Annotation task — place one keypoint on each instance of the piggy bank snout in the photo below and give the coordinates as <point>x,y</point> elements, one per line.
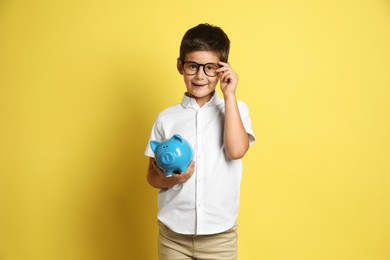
<point>167,158</point>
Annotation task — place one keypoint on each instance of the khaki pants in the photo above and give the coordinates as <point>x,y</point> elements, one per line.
<point>173,246</point>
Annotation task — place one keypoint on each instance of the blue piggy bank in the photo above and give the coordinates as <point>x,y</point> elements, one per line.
<point>173,155</point>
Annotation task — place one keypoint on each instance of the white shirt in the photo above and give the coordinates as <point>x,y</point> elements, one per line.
<point>207,203</point>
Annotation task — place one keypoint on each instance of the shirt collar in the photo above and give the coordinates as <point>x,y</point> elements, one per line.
<point>191,102</point>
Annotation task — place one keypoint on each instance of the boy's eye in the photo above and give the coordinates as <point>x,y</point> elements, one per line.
<point>211,67</point>
<point>191,66</point>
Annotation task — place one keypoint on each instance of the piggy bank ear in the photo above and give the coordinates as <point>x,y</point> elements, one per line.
<point>178,138</point>
<point>153,145</point>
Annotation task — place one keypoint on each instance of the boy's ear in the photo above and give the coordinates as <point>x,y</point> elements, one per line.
<point>179,67</point>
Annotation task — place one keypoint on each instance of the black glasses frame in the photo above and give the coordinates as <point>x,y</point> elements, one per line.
<point>198,66</point>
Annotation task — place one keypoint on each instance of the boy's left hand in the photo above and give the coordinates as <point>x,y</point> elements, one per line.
<point>228,79</point>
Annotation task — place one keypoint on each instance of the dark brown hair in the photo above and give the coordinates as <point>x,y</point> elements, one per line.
<point>205,37</point>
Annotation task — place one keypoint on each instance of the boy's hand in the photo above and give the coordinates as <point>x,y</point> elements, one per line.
<point>184,176</point>
<point>228,79</point>
<point>176,178</point>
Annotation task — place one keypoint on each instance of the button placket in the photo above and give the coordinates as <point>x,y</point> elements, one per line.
<point>199,177</point>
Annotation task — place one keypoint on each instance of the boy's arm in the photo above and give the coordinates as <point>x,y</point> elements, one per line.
<point>236,138</point>
<point>157,179</point>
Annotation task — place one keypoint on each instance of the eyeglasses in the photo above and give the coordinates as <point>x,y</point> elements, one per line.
<point>191,68</point>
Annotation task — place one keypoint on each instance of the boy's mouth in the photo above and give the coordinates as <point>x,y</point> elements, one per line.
<point>198,85</point>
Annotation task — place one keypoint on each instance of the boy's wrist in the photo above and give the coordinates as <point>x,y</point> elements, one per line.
<point>229,96</point>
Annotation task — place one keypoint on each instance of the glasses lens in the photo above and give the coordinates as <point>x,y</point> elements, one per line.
<point>190,68</point>
<point>211,69</point>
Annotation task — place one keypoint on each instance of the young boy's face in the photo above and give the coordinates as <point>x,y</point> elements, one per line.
<point>200,86</point>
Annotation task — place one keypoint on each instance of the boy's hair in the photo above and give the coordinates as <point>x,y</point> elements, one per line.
<point>205,37</point>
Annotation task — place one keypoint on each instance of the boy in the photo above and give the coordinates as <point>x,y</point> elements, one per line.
<point>198,208</point>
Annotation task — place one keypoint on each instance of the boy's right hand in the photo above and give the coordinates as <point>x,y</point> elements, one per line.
<point>184,176</point>
<point>175,178</point>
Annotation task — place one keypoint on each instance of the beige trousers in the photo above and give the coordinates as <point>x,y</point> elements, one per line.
<point>173,246</point>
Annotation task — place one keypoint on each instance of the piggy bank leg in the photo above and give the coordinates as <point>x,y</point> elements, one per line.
<point>183,169</point>
<point>169,173</point>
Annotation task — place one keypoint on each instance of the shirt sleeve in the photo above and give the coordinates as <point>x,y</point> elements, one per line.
<point>244,112</point>
<point>155,135</point>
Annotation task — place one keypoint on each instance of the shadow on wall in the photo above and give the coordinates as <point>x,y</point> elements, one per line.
<point>121,220</point>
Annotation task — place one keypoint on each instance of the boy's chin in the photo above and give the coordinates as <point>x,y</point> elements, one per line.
<point>200,94</point>
<point>201,91</point>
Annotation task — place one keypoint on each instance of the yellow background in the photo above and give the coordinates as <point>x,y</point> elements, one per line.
<point>81,83</point>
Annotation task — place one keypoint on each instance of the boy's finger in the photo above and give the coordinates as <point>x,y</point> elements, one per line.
<point>191,167</point>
